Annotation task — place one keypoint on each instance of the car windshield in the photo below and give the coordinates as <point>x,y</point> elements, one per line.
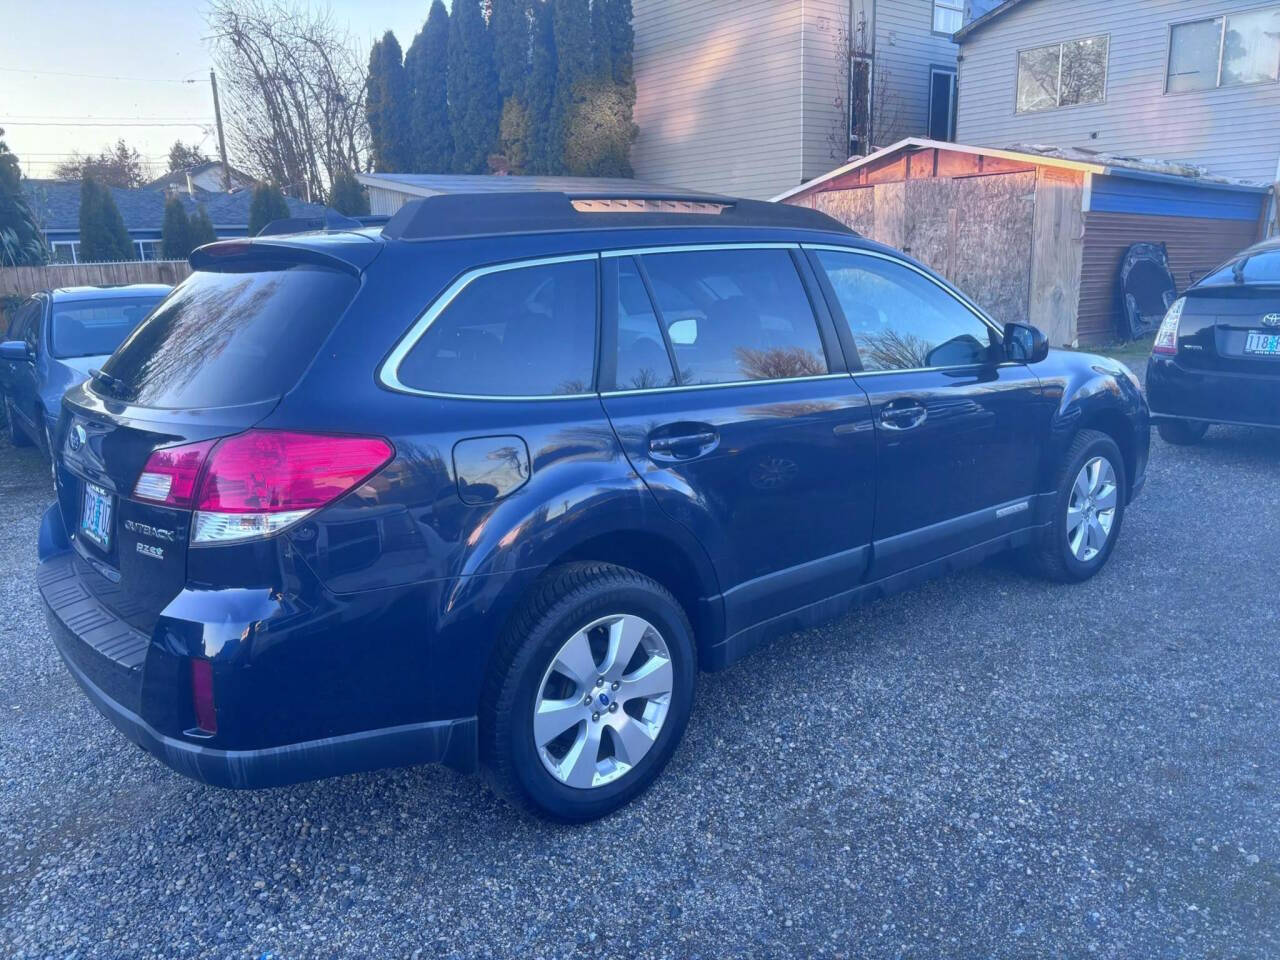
<point>94,328</point>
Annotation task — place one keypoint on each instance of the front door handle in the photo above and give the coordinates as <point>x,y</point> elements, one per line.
<point>902,415</point>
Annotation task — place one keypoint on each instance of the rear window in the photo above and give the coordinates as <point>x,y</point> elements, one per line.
<point>1258,268</point>
<point>229,338</point>
<point>92,328</point>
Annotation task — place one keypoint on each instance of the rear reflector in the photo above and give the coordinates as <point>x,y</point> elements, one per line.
<point>202,696</point>
<point>257,483</point>
<point>1167,336</point>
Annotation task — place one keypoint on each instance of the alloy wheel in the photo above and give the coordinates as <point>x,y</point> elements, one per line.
<point>603,700</point>
<point>1091,510</point>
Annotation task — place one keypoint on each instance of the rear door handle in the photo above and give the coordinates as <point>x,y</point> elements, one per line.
<point>902,415</point>
<point>683,446</point>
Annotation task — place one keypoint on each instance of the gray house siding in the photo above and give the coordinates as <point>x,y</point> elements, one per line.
<point>1232,131</point>
<point>906,47</point>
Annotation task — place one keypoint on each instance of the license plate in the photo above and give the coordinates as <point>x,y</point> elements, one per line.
<point>95,518</point>
<point>1266,344</point>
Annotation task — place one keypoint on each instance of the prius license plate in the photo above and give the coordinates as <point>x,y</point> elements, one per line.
<point>95,518</point>
<point>1266,344</point>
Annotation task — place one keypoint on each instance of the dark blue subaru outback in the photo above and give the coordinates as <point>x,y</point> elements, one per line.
<point>488,486</point>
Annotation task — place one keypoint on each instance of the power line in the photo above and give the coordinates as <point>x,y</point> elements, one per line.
<point>95,76</point>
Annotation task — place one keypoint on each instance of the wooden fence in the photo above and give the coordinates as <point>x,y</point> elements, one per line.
<point>22,281</point>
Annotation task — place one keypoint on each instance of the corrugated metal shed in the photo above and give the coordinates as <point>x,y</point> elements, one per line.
<point>1038,236</point>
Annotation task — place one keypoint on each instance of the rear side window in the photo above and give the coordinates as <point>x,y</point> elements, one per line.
<point>521,332</point>
<point>900,319</point>
<point>735,315</point>
<point>643,361</point>
<point>95,327</point>
<point>228,338</point>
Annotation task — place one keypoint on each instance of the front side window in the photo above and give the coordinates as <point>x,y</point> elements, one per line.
<point>1225,51</point>
<point>948,15</point>
<point>1063,74</point>
<point>732,316</point>
<point>900,319</point>
<point>523,332</point>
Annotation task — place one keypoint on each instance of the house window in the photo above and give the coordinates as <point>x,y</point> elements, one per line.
<point>860,73</point>
<point>148,249</point>
<point>1063,75</point>
<point>948,16</point>
<point>65,251</point>
<point>1224,51</point>
<point>942,103</point>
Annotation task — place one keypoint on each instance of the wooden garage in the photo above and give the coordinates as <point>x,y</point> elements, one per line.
<point>1038,235</point>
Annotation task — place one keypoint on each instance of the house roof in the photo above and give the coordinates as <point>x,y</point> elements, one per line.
<point>178,178</point>
<point>977,24</point>
<point>434,184</point>
<point>56,204</point>
<point>1066,158</point>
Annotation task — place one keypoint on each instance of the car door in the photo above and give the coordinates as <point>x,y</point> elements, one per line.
<point>20,382</point>
<point>959,430</point>
<point>726,386</point>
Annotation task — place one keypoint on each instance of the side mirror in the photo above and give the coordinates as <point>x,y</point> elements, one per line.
<point>15,350</point>
<point>1024,343</point>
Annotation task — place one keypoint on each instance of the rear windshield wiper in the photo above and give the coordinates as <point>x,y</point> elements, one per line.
<point>114,385</point>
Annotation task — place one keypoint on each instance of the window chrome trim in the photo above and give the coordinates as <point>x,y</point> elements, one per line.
<point>729,383</point>
<point>698,248</point>
<point>389,371</point>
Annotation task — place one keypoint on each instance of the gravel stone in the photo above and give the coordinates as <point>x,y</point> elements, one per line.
<point>988,766</point>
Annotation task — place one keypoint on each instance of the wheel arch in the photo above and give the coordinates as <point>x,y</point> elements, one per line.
<point>1113,423</point>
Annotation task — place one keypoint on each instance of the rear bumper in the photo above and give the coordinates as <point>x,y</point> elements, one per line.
<point>140,682</point>
<point>452,742</point>
<point>1176,392</point>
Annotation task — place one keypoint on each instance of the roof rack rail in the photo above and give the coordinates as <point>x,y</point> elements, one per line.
<point>453,215</point>
<point>331,220</point>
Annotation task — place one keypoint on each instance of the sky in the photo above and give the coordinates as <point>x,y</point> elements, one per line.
<point>153,47</point>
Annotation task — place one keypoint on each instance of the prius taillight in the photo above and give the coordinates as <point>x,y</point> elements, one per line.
<point>256,483</point>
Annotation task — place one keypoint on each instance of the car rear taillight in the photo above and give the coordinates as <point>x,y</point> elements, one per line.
<point>257,483</point>
<point>1167,335</point>
<point>202,696</point>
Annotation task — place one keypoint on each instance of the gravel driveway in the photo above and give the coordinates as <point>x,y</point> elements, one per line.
<point>989,766</point>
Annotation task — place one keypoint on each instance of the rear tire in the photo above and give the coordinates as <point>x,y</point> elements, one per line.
<point>1183,433</point>
<point>1087,511</point>
<point>614,744</point>
<point>16,435</point>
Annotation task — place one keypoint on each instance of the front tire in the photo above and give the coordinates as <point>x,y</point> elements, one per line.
<point>1183,433</point>
<point>1087,511</point>
<point>588,694</point>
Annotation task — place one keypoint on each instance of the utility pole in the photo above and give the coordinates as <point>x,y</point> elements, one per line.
<point>222,142</point>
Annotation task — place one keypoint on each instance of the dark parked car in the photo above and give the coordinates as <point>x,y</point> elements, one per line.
<point>1216,357</point>
<point>54,339</point>
<point>488,485</point>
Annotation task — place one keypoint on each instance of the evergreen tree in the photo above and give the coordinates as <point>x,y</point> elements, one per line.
<point>509,23</point>
<point>22,242</point>
<point>622,44</point>
<point>347,195</point>
<point>540,90</point>
<point>600,131</point>
<point>175,235</point>
<point>601,42</point>
<point>387,106</point>
<point>513,136</point>
<point>571,26</point>
<point>473,88</point>
<point>200,230</point>
<point>103,236</point>
<point>426,67</point>
<point>268,204</point>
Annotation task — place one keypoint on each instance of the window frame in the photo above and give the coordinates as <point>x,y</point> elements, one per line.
<point>1222,43</point>
<point>1059,105</point>
<point>945,5</point>
<point>389,369</point>
<point>954,73</point>
<point>845,331</point>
